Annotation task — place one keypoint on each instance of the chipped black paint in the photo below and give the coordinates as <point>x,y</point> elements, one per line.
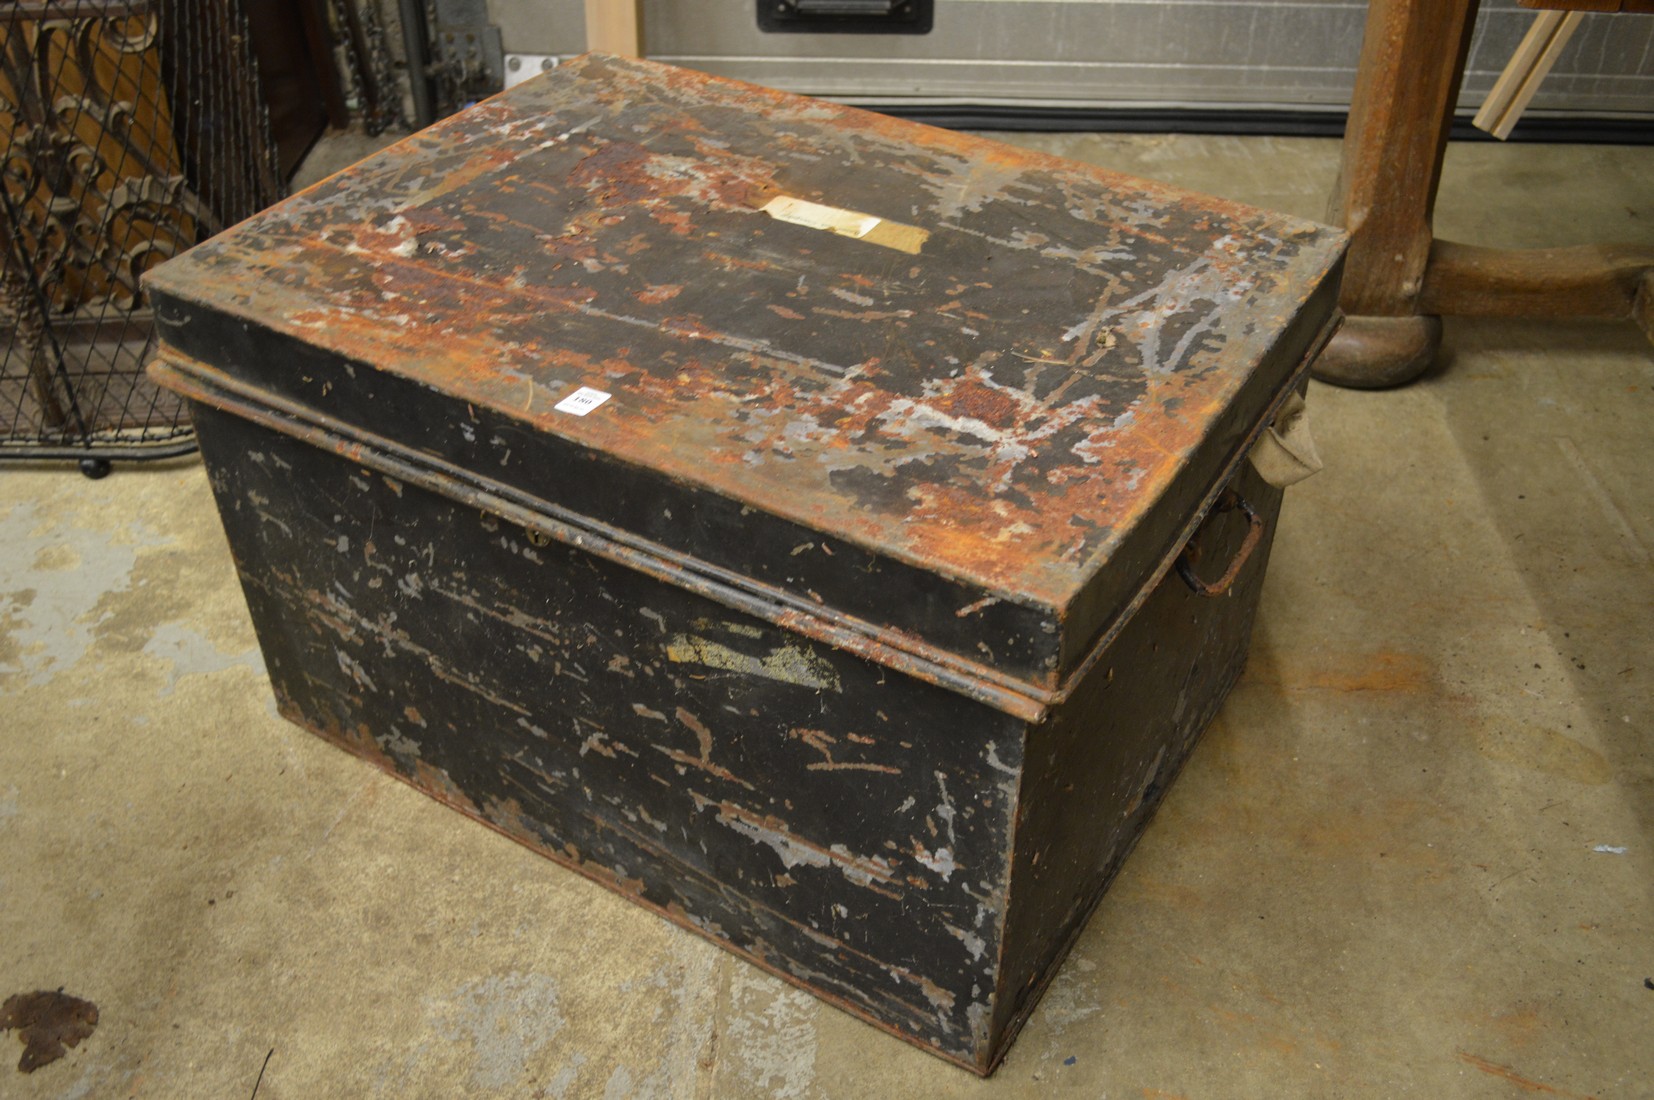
<point>816,811</point>
<point>865,834</point>
<point>1026,410</point>
<point>843,633</point>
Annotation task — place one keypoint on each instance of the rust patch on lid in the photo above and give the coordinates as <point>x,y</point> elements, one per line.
<point>1001,407</point>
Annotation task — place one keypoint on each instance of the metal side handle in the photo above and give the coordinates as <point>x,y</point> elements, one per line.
<point>1254,534</point>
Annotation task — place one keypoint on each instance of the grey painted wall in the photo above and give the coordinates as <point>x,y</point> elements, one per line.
<point>1252,53</point>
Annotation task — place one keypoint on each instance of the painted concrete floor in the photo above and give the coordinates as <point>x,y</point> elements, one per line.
<point>1413,857</point>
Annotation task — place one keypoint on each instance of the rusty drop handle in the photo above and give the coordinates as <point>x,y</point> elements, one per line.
<point>1254,535</point>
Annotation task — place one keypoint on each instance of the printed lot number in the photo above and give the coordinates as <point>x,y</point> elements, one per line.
<point>582,401</point>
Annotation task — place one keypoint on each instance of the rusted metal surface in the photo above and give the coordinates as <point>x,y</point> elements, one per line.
<point>912,855</point>
<point>994,423</point>
<point>208,386</point>
<point>843,633</point>
<point>1094,773</point>
<point>806,806</point>
<point>1231,572</point>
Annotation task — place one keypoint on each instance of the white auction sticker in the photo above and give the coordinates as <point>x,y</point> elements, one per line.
<point>582,401</point>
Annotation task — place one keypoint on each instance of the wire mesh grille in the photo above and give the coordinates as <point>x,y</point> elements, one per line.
<point>131,129</point>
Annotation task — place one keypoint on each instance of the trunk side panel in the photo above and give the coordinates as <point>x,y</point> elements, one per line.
<point>1097,769</point>
<point>843,825</point>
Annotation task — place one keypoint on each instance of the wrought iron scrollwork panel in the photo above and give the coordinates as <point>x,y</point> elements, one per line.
<point>100,181</point>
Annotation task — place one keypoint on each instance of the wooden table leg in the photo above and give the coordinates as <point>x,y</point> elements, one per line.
<point>1412,59</point>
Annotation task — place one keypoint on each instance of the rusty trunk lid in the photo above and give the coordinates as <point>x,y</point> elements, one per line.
<point>932,395</point>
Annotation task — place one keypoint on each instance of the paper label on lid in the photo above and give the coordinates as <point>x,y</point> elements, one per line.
<point>582,401</point>
<point>846,223</point>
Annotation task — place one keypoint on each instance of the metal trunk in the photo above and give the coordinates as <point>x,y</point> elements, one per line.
<point>762,507</point>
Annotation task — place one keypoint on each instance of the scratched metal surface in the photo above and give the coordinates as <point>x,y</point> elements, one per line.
<point>909,854</point>
<point>1067,350</point>
<point>846,827</point>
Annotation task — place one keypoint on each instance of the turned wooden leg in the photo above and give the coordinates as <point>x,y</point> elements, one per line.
<point>1412,59</point>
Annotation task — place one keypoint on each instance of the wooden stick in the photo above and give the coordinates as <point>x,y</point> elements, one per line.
<point>1514,89</point>
<point>614,26</point>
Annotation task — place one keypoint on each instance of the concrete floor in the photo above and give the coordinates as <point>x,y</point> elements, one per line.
<point>1413,857</point>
